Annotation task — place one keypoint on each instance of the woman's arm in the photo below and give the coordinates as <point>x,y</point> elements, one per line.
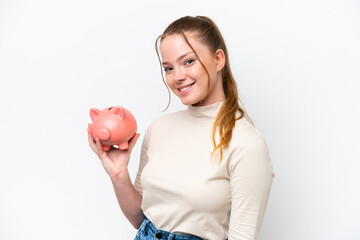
<point>251,177</point>
<point>115,162</point>
<point>128,198</point>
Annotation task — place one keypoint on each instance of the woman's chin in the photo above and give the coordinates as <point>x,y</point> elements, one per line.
<point>191,101</point>
<point>188,101</point>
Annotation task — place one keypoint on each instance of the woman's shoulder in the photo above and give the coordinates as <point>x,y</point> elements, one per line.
<point>249,146</point>
<point>245,133</point>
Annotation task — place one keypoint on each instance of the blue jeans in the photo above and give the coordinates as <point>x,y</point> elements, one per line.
<point>148,231</point>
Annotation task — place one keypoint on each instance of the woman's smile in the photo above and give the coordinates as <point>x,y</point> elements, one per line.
<point>185,88</point>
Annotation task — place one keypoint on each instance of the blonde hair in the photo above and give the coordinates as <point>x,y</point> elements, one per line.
<point>209,34</point>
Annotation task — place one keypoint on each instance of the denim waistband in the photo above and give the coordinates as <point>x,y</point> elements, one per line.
<point>163,235</point>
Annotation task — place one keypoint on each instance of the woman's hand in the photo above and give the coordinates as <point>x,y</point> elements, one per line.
<point>114,160</point>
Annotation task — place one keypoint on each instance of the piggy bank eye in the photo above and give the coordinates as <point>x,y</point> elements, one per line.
<point>109,108</point>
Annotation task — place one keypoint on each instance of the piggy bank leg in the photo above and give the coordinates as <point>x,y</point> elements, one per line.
<point>123,146</point>
<point>105,148</point>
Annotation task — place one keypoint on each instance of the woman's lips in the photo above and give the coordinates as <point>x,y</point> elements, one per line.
<point>185,89</point>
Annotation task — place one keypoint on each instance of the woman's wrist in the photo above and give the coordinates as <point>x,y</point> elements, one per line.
<point>121,177</point>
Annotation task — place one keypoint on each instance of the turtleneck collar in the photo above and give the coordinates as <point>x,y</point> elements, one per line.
<point>209,111</point>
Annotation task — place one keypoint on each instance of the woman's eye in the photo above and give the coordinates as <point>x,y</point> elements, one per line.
<point>190,60</point>
<point>186,63</point>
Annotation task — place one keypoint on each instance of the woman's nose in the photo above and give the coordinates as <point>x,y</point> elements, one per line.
<point>179,74</point>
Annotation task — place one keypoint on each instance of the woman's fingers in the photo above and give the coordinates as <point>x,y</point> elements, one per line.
<point>99,149</point>
<point>133,140</point>
<point>95,144</point>
<point>92,143</point>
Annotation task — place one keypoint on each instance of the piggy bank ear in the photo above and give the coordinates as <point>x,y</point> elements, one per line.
<point>94,113</point>
<point>119,111</point>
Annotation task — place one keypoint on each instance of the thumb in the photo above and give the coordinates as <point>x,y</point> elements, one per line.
<point>133,140</point>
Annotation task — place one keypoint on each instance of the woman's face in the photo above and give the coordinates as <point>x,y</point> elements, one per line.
<point>185,75</point>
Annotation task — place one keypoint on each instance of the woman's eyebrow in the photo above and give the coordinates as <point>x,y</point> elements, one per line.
<point>182,56</point>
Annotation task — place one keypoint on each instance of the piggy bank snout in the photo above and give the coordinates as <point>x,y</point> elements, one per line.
<point>104,134</point>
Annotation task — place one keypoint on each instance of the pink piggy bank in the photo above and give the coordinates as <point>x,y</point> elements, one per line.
<point>113,126</point>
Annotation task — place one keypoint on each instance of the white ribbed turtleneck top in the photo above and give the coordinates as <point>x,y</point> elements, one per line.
<point>187,192</point>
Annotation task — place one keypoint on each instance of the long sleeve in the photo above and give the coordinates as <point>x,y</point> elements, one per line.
<point>184,190</point>
<point>143,160</point>
<point>251,176</point>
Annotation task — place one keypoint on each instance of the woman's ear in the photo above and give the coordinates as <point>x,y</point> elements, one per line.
<point>219,59</point>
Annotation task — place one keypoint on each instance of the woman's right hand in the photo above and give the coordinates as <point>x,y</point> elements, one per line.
<point>114,160</point>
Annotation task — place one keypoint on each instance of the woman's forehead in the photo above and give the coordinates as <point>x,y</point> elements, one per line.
<point>174,46</point>
<point>175,42</point>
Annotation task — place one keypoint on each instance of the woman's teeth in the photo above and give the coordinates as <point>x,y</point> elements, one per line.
<point>183,89</point>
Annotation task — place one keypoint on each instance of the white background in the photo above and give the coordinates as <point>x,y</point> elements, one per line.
<point>297,68</point>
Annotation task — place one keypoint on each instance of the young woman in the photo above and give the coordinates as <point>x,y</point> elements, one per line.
<point>204,172</point>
